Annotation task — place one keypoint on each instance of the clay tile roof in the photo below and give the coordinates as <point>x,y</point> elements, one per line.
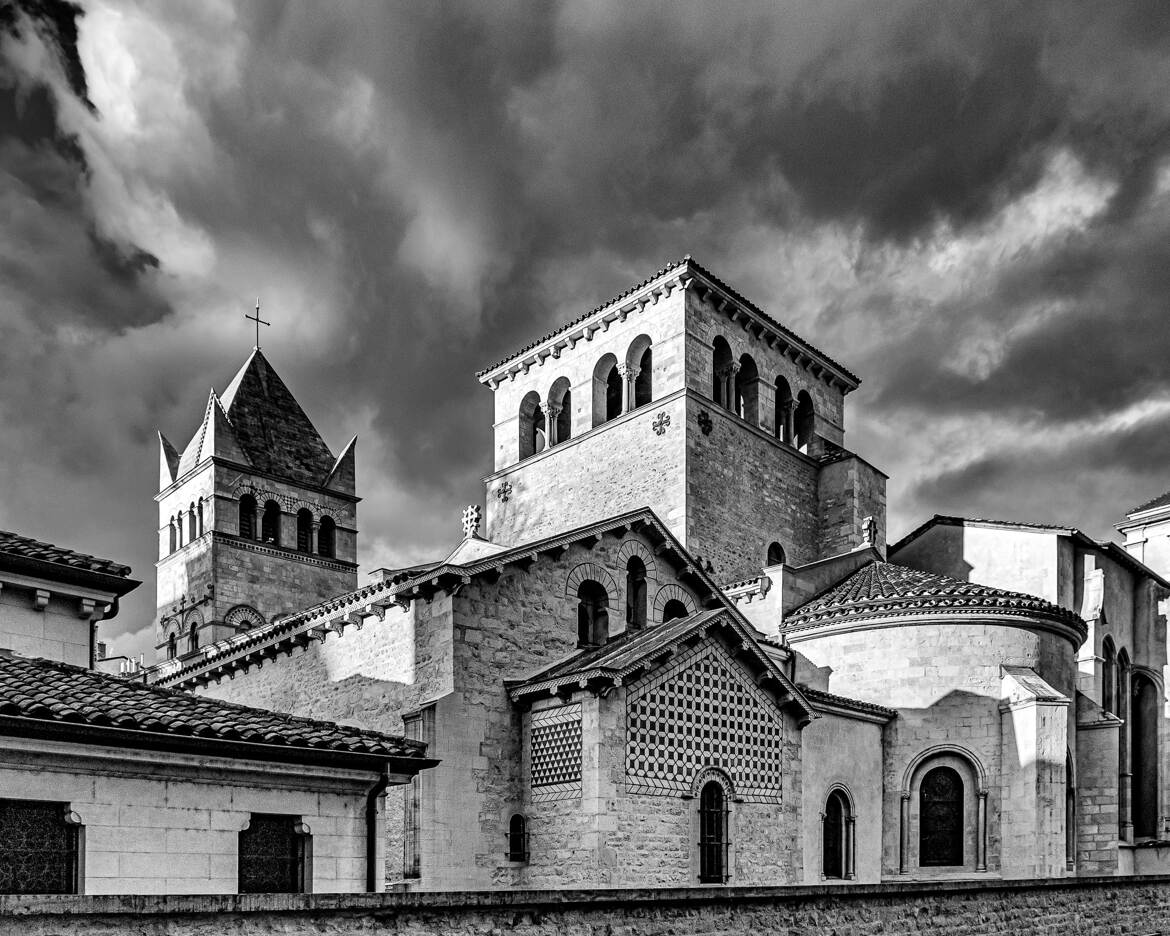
<point>885,589</point>
<point>1160,501</point>
<point>271,427</point>
<point>820,696</point>
<point>55,692</point>
<point>713,280</point>
<point>15,545</point>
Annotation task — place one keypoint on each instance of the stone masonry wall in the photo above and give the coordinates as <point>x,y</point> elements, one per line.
<point>1087,907</point>
<point>744,490</point>
<point>620,466</point>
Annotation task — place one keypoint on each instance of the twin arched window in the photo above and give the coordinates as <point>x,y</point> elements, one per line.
<point>304,530</point>
<point>592,614</point>
<point>270,527</point>
<point>635,593</point>
<point>270,524</point>
<point>247,526</point>
<point>735,386</point>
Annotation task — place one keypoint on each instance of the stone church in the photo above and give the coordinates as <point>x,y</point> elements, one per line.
<point>675,649</point>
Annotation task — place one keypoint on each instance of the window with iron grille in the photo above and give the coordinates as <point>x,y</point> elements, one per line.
<point>272,855</point>
<point>38,848</point>
<point>418,726</point>
<point>713,838</point>
<point>518,838</point>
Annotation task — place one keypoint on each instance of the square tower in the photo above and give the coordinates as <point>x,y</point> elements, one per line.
<point>257,518</point>
<point>681,395</point>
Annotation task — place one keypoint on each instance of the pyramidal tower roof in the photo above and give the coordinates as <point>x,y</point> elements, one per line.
<point>272,430</point>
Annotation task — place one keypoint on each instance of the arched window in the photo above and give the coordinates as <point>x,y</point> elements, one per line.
<point>747,390</point>
<point>713,837</point>
<point>783,410</point>
<point>641,364</point>
<point>836,844</point>
<point>174,535</point>
<point>193,637</point>
<point>940,817</point>
<point>674,609</point>
<point>592,614</point>
<point>635,593</point>
<point>775,554</point>
<point>172,646</point>
<point>327,538</point>
<point>721,385</point>
<point>304,530</point>
<point>1144,743</point>
<point>560,412</point>
<point>191,528</point>
<point>1070,814</point>
<point>607,390</point>
<point>532,425</point>
<point>200,515</point>
<point>805,421</point>
<point>517,838</point>
<point>270,523</point>
<point>248,517</point>
<point>1108,675</point>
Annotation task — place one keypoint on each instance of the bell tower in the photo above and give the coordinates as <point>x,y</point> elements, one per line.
<point>681,395</point>
<point>257,517</point>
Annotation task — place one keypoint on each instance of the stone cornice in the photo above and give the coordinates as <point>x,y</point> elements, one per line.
<point>686,274</point>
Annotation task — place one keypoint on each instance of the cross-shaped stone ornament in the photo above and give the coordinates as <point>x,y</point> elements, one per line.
<point>471,518</point>
<point>661,421</point>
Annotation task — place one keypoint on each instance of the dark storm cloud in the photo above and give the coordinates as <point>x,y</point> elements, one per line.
<point>417,189</point>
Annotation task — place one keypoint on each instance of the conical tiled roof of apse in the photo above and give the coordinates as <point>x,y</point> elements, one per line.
<point>885,589</point>
<point>271,427</point>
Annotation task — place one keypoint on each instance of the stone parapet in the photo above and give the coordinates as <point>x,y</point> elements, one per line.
<point>958,908</point>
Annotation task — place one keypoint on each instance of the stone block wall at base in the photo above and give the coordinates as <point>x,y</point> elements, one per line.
<point>1086,907</point>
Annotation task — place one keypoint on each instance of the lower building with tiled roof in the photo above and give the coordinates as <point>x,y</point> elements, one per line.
<point>52,598</point>
<point>179,794</point>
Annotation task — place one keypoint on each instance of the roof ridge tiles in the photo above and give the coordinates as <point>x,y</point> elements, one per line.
<point>687,260</point>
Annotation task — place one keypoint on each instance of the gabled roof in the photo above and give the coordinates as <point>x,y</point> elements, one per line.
<point>273,431</point>
<point>402,587</point>
<point>1162,500</point>
<point>1119,555</point>
<point>44,560</point>
<point>634,652</point>
<point>214,437</point>
<point>38,695</point>
<point>885,589</point>
<point>827,367</point>
<point>829,702</point>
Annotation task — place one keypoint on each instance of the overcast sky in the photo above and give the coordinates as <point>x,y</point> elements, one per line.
<point>966,204</point>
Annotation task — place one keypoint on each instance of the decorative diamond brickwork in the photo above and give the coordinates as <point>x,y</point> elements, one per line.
<point>556,753</point>
<point>703,711</point>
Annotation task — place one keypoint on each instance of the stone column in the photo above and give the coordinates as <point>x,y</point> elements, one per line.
<point>790,422</point>
<point>314,528</point>
<point>981,834</point>
<point>629,373</point>
<point>904,836</point>
<point>552,411</point>
<point>850,857</point>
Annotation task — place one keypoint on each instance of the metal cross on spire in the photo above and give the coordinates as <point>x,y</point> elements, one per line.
<point>259,321</point>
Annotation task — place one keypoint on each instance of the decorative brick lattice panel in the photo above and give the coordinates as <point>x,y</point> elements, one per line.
<point>556,753</point>
<point>703,711</point>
